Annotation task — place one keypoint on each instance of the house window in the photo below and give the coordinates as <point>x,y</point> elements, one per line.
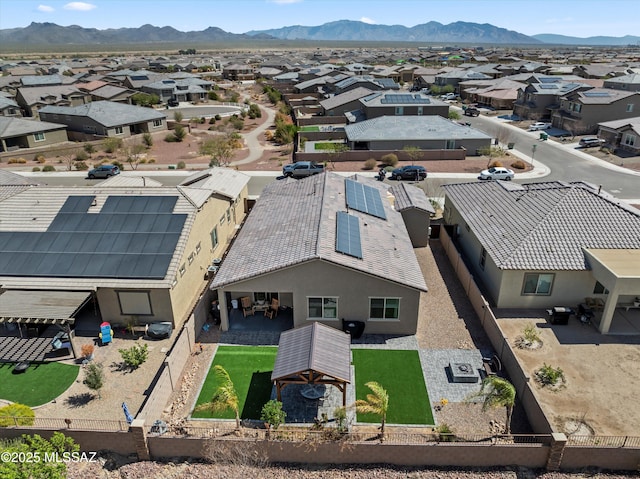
<point>538,284</point>
<point>228,215</point>
<point>399,110</point>
<point>577,107</point>
<point>38,136</point>
<point>419,110</point>
<point>89,129</point>
<point>600,289</point>
<point>222,220</point>
<point>483,258</point>
<point>629,107</point>
<point>198,248</point>
<point>118,130</point>
<point>384,308</point>
<point>629,139</point>
<point>323,308</point>
<point>183,269</point>
<point>157,123</point>
<point>451,144</point>
<point>214,236</point>
<point>136,303</point>
<point>191,257</point>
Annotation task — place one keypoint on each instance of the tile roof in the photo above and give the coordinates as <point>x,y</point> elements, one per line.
<point>408,196</point>
<point>410,127</point>
<point>226,182</point>
<point>295,222</point>
<point>344,98</point>
<point>11,126</point>
<point>544,226</point>
<point>107,113</point>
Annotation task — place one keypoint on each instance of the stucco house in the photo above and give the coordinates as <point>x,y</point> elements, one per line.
<point>541,245</point>
<point>16,133</point>
<point>328,247</point>
<point>105,118</point>
<point>139,249</point>
<point>387,103</point>
<point>32,99</point>
<point>623,134</point>
<point>430,132</point>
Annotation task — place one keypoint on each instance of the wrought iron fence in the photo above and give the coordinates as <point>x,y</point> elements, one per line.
<point>604,441</point>
<point>67,424</point>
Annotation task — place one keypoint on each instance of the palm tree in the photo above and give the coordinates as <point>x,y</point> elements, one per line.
<point>376,403</point>
<point>225,396</point>
<point>498,392</point>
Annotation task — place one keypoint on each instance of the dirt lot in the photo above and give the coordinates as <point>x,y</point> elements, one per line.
<point>602,374</point>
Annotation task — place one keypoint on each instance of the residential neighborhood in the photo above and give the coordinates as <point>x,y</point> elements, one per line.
<point>374,317</point>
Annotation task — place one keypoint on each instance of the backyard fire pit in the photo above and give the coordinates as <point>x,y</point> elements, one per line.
<point>463,373</point>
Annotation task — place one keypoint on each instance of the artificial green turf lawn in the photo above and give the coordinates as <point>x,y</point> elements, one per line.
<point>400,373</point>
<point>40,383</point>
<point>249,368</point>
<point>310,128</point>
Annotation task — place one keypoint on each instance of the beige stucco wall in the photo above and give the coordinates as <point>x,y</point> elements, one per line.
<point>110,306</point>
<point>50,138</point>
<point>417,223</point>
<point>352,288</point>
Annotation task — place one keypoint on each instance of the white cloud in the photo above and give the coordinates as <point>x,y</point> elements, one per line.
<point>284,2</point>
<point>45,8</point>
<point>79,6</point>
<point>368,20</point>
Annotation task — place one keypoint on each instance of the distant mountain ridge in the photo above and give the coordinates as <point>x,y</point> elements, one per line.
<point>341,30</point>
<point>600,40</point>
<point>348,30</point>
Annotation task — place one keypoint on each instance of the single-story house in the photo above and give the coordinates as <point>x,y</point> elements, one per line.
<point>16,133</point>
<point>541,245</point>
<point>142,251</point>
<point>431,132</point>
<point>9,107</point>
<point>330,248</point>
<point>106,118</point>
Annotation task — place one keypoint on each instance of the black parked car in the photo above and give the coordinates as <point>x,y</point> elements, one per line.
<point>409,172</point>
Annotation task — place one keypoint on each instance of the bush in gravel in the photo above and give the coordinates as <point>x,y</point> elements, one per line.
<point>48,168</point>
<point>550,376</point>
<point>135,355</point>
<point>390,159</point>
<point>16,415</point>
<point>272,415</point>
<point>518,165</point>
<point>370,164</point>
<point>495,163</point>
<point>94,377</point>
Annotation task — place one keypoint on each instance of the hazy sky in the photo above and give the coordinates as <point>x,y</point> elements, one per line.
<point>580,18</point>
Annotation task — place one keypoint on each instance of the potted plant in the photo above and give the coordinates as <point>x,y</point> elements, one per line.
<point>87,351</point>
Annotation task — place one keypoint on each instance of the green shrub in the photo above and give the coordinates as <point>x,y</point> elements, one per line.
<point>81,166</point>
<point>177,116</point>
<point>370,164</point>
<point>118,164</point>
<point>82,156</point>
<point>495,163</point>
<point>48,168</point>
<point>212,121</point>
<point>16,415</point>
<point>135,355</point>
<point>454,115</point>
<point>41,159</point>
<point>110,145</point>
<point>147,139</point>
<point>89,148</point>
<point>549,376</point>
<point>94,377</point>
<point>530,333</point>
<point>273,414</point>
<point>181,165</point>
<point>35,168</point>
<point>445,433</point>
<point>218,117</point>
<point>170,138</point>
<point>390,159</point>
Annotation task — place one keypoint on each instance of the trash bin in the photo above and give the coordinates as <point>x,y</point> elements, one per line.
<point>354,328</point>
<point>510,145</point>
<point>544,136</point>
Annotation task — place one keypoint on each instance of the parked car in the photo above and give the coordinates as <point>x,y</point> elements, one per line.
<point>173,102</point>
<point>539,125</point>
<point>472,111</point>
<point>104,171</point>
<point>409,172</point>
<point>302,169</point>
<point>589,141</point>
<point>497,173</point>
<point>448,96</point>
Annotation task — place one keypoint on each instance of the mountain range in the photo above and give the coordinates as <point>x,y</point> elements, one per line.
<point>342,30</point>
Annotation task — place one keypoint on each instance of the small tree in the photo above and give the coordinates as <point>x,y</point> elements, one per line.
<point>89,148</point>
<point>135,355</point>
<point>147,140</point>
<point>177,116</point>
<point>94,377</point>
<point>134,154</point>
<point>219,148</point>
<point>413,152</point>
<point>376,403</point>
<point>225,397</point>
<point>111,145</point>
<point>454,115</point>
<point>498,392</point>
<point>272,415</point>
<point>179,133</point>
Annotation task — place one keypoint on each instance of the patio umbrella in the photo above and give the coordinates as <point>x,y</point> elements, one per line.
<point>127,414</point>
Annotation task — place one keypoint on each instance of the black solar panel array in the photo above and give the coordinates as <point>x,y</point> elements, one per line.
<point>131,237</point>
<point>348,235</point>
<point>364,198</point>
<point>404,99</point>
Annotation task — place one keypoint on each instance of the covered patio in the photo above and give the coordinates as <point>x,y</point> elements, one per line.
<point>618,270</point>
<point>315,356</point>
<point>32,320</point>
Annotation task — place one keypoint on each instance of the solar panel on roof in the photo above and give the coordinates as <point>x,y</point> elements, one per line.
<point>548,87</point>
<point>348,235</point>
<point>129,238</point>
<point>364,198</point>
<point>594,94</point>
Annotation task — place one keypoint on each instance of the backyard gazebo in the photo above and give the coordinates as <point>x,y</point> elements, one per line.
<point>315,354</point>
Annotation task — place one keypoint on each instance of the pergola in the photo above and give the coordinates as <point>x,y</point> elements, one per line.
<point>42,308</point>
<point>314,354</point>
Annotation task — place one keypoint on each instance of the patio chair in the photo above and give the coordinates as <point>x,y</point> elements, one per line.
<point>247,306</point>
<point>272,312</point>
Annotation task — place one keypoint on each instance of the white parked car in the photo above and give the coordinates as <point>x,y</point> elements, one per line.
<point>539,125</point>
<point>449,96</point>
<point>497,173</point>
